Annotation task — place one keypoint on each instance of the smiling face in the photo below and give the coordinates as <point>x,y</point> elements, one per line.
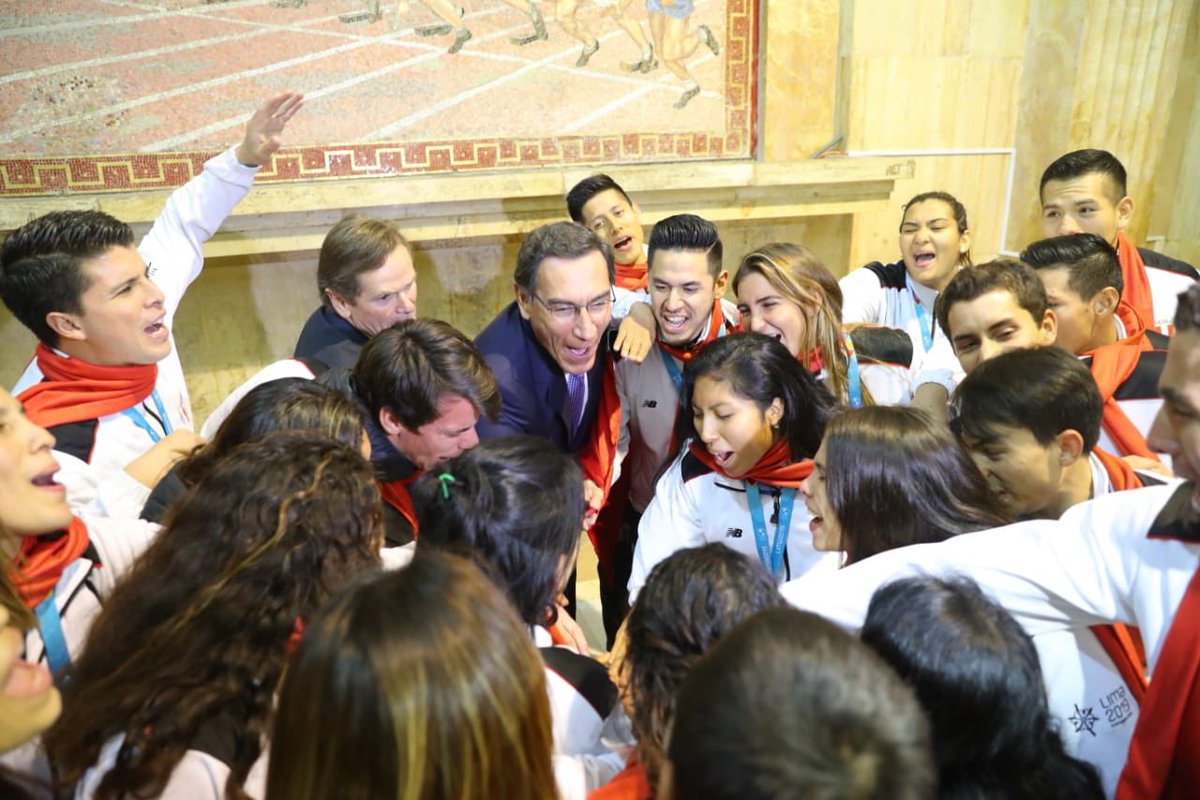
<point>824,526</point>
<point>121,321</point>
<point>570,336</point>
<point>766,310</point>
<point>386,295</point>
<point>682,293</point>
<point>1087,204</point>
<point>994,323</point>
<point>930,243</point>
<point>616,220</point>
<point>733,428</point>
<point>31,502</point>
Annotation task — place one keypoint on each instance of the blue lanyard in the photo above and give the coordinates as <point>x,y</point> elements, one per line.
<point>53,639</point>
<point>673,368</point>
<point>924,322</point>
<point>673,371</point>
<point>139,419</point>
<point>770,553</point>
<point>853,377</point>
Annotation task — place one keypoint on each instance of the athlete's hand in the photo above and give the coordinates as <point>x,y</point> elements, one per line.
<point>264,131</point>
<point>29,703</point>
<point>636,333</point>
<point>569,630</point>
<point>1149,465</point>
<point>150,467</point>
<point>593,497</point>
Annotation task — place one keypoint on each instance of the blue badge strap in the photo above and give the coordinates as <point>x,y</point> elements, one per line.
<point>770,553</point>
<point>53,639</point>
<point>925,323</point>
<point>139,419</point>
<point>672,370</point>
<point>853,375</point>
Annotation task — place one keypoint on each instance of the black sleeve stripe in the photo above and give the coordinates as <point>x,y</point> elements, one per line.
<point>891,276</point>
<point>692,467</point>
<point>76,438</point>
<point>586,675</point>
<point>1143,383</point>
<point>1178,518</point>
<point>1157,260</point>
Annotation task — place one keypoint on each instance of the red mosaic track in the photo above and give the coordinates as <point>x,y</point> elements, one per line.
<point>164,88</point>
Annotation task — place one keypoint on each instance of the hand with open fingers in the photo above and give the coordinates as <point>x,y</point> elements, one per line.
<point>636,333</point>
<point>29,703</point>
<point>264,130</point>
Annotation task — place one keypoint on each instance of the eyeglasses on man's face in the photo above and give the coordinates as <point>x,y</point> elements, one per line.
<point>565,312</point>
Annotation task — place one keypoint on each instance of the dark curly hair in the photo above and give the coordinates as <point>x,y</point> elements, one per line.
<point>689,601</point>
<point>196,634</point>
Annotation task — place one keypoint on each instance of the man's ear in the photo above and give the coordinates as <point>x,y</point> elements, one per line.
<point>67,326</point>
<point>721,282</point>
<point>390,423</point>
<point>523,300</point>
<point>342,307</point>
<point>1106,301</point>
<point>1049,327</point>
<point>1070,447</point>
<point>1124,212</point>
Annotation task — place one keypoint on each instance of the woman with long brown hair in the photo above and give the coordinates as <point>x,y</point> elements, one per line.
<point>401,663</point>
<point>785,291</point>
<point>887,477</point>
<point>173,691</point>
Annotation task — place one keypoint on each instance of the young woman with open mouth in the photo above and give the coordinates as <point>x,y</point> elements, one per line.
<point>752,419</point>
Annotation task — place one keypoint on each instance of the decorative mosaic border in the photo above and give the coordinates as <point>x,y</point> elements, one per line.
<point>61,175</point>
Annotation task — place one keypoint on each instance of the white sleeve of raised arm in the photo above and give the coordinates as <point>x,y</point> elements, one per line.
<point>862,297</point>
<point>173,248</point>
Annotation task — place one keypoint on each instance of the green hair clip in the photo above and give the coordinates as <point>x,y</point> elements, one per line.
<point>445,479</point>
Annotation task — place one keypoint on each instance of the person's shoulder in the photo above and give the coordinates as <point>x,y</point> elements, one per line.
<point>498,335</point>
<point>887,276</point>
<point>587,676</point>
<point>1162,261</point>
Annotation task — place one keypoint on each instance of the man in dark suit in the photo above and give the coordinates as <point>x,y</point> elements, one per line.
<point>548,347</point>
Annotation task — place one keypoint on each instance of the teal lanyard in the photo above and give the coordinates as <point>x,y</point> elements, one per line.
<point>770,553</point>
<point>673,368</point>
<point>53,639</point>
<point>925,323</point>
<point>853,376</point>
<point>139,419</point>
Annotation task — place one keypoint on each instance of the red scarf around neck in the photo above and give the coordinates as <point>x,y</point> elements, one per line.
<point>715,323</point>
<point>1137,284</point>
<point>1123,643</point>
<point>1132,320</point>
<point>1111,366</point>
<point>1162,759</point>
<point>776,466</point>
<point>75,390</point>
<point>396,494</point>
<point>41,560</point>
<point>632,276</point>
